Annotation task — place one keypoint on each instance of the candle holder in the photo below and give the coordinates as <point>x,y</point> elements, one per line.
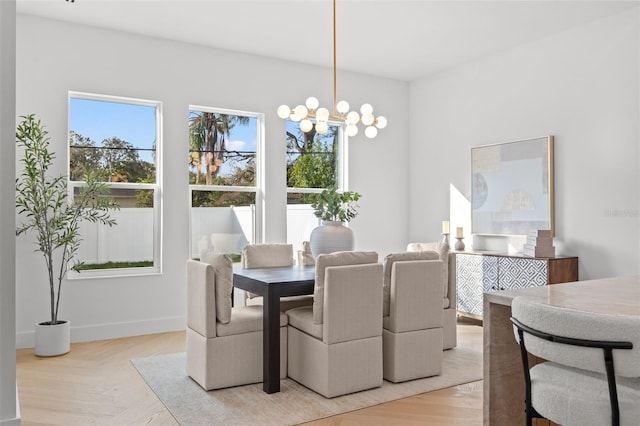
<point>445,238</point>
<point>459,244</point>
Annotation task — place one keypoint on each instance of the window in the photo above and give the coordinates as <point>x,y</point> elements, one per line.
<point>223,179</point>
<point>118,139</point>
<point>314,162</point>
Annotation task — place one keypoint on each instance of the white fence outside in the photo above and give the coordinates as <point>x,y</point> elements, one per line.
<point>223,229</point>
<point>131,240</point>
<point>300,223</point>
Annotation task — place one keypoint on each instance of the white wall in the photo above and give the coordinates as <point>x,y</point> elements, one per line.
<point>582,86</point>
<point>55,57</point>
<point>9,409</point>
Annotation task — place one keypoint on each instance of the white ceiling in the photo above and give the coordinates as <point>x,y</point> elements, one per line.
<point>397,39</point>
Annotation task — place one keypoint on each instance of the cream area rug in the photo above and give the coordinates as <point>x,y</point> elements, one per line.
<point>249,405</point>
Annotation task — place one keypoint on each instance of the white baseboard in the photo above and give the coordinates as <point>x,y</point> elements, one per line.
<point>16,420</point>
<point>88,333</point>
<point>10,422</point>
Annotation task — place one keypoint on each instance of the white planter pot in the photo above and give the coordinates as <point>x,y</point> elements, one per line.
<point>53,340</point>
<point>330,237</point>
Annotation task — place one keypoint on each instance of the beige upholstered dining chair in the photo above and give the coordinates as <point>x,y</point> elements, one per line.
<point>306,255</point>
<point>412,310</point>
<point>335,346</point>
<point>591,375</point>
<point>224,344</point>
<point>450,302</point>
<point>272,256</point>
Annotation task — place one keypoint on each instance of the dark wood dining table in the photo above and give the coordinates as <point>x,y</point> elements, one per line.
<point>271,284</point>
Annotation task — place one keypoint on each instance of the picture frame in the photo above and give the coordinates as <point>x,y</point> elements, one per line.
<point>512,187</point>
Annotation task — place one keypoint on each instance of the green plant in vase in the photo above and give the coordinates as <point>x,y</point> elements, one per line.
<point>331,205</point>
<point>334,209</point>
<point>43,201</point>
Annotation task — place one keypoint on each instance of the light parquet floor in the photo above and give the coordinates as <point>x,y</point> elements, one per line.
<point>96,384</point>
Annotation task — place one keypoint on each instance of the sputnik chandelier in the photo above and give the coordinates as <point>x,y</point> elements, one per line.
<point>304,114</point>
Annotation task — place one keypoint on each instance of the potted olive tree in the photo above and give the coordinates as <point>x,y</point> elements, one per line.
<point>43,201</point>
<point>333,208</point>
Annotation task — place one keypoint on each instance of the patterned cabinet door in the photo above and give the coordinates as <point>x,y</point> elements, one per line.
<point>474,274</point>
<point>518,272</point>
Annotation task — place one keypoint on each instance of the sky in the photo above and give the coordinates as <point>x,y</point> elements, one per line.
<point>100,120</point>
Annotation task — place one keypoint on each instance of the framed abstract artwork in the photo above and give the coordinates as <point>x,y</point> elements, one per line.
<point>512,187</point>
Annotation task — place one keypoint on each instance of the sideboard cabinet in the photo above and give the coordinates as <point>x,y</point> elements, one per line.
<point>479,272</point>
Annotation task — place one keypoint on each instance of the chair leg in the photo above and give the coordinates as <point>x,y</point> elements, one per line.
<point>530,412</point>
<point>529,421</point>
<point>611,380</point>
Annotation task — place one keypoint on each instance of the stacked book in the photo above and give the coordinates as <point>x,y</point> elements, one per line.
<point>539,244</point>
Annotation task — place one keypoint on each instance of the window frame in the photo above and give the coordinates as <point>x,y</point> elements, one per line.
<point>258,219</point>
<point>156,269</point>
<point>342,163</point>
<point>342,172</point>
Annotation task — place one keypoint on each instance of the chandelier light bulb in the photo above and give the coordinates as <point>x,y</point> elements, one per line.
<point>306,125</point>
<point>381,122</point>
<point>322,114</point>
<point>312,103</point>
<point>352,118</point>
<point>301,111</point>
<point>366,109</point>
<point>371,132</point>
<point>284,111</point>
<point>342,107</point>
<point>368,119</point>
<point>295,117</point>
<point>351,130</point>
<point>322,127</point>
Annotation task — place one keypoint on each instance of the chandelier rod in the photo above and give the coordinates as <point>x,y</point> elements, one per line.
<point>335,98</point>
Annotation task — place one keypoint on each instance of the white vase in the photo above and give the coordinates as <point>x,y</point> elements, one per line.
<point>330,237</point>
<point>53,340</point>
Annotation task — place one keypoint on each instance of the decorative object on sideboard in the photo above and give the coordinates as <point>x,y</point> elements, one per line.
<point>539,244</point>
<point>305,113</point>
<point>333,208</point>
<point>48,213</point>
<point>445,232</point>
<point>459,246</point>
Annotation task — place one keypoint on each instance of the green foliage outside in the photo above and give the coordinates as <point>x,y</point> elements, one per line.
<point>208,136</point>
<point>312,161</point>
<point>235,257</point>
<point>115,160</point>
<point>113,265</point>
